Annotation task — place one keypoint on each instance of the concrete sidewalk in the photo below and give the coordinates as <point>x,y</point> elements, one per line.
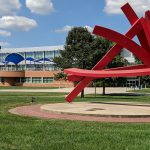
<point>88,90</point>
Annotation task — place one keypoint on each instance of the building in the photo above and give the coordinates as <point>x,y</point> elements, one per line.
<point>128,56</point>
<point>30,67</point>
<point>132,82</point>
<point>34,66</point>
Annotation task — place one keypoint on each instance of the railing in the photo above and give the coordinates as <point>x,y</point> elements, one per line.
<point>27,68</point>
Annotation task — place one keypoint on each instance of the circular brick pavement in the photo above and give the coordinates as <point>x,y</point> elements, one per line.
<point>36,111</point>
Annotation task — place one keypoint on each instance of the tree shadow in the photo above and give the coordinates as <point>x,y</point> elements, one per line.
<point>126,94</point>
<point>125,104</point>
<point>117,96</point>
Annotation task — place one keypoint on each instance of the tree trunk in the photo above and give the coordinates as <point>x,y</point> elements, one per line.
<point>103,88</point>
<point>82,93</point>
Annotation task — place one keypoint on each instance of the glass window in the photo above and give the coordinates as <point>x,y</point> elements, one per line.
<point>2,80</point>
<point>17,80</point>
<point>47,80</point>
<point>36,80</point>
<point>22,54</point>
<point>23,80</point>
<point>3,56</point>
<point>49,54</point>
<point>28,80</point>
<point>57,53</point>
<point>38,55</point>
<point>29,54</point>
<point>49,66</point>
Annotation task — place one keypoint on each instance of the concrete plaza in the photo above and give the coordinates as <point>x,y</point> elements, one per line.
<point>88,90</point>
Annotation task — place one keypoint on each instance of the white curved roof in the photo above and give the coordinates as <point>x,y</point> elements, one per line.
<point>32,49</point>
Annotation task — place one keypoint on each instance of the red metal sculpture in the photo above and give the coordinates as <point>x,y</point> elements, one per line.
<point>141,29</point>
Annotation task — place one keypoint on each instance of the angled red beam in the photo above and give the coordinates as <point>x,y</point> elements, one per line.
<point>130,13</point>
<point>147,17</point>
<point>104,61</point>
<point>146,28</point>
<point>132,17</point>
<point>146,25</point>
<point>125,42</point>
<point>110,55</point>
<point>75,78</point>
<point>108,74</point>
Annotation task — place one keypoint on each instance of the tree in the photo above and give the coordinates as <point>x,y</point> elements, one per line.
<point>60,76</point>
<point>100,46</point>
<point>78,51</point>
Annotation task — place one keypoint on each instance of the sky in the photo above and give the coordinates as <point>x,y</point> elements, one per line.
<point>29,23</point>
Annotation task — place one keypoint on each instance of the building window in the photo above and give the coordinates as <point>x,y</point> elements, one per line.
<point>23,80</point>
<point>47,80</point>
<point>38,55</point>
<point>30,54</point>
<point>28,80</point>
<point>36,80</point>
<point>17,80</point>
<point>49,67</point>
<point>57,53</point>
<point>1,80</point>
<point>3,56</point>
<point>49,54</point>
<point>22,54</point>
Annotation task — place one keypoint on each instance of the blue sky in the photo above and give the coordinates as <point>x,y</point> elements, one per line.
<point>49,22</point>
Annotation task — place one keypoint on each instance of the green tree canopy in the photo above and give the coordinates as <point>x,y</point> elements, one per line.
<point>101,47</point>
<point>78,50</point>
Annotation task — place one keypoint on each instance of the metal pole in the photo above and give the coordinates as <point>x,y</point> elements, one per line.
<point>139,83</point>
<point>25,60</point>
<point>95,90</point>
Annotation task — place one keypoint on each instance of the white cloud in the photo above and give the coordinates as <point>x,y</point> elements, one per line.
<point>17,23</point>
<point>4,44</point>
<point>90,29</point>
<point>113,6</point>
<point>67,28</point>
<point>40,6</point>
<point>4,33</point>
<point>9,7</point>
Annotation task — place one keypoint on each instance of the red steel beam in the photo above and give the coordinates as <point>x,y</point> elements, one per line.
<point>107,74</point>
<point>104,61</point>
<point>135,30</point>
<point>125,42</point>
<point>75,78</point>
<point>132,17</point>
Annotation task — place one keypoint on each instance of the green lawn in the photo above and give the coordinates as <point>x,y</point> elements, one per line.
<point>24,133</point>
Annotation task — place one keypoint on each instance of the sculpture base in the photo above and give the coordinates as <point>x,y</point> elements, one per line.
<point>107,109</point>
